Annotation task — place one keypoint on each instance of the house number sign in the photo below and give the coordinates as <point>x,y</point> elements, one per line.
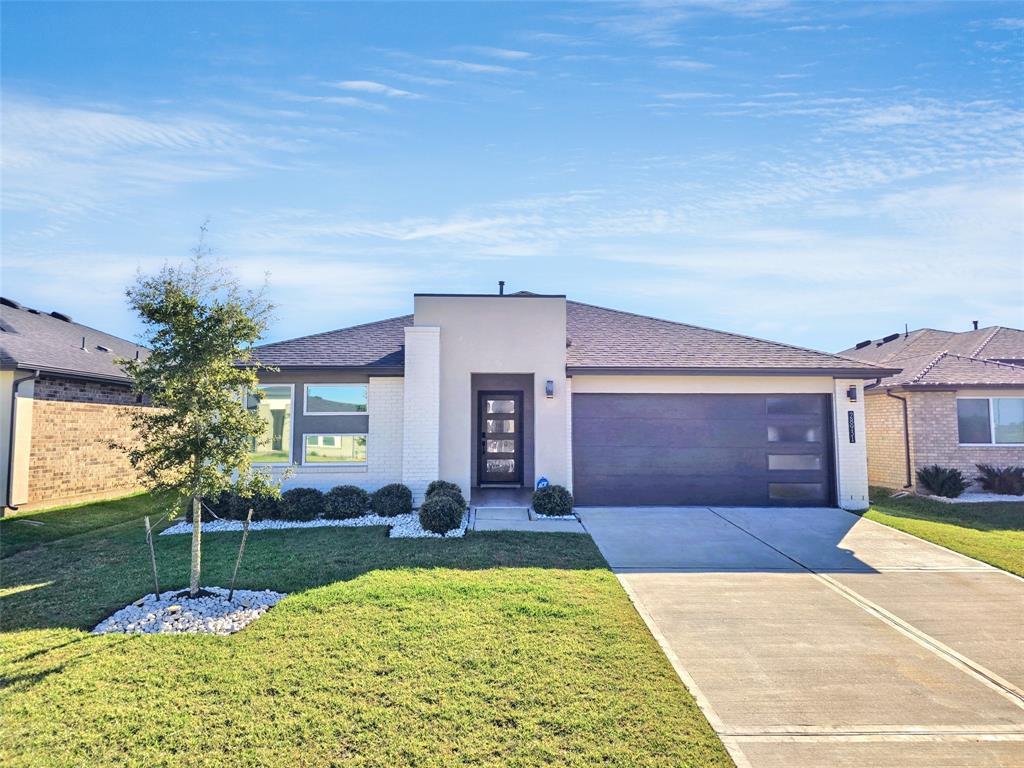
<point>853,429</point>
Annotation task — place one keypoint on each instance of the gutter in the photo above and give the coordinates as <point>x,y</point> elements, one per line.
<point>906,435</point>
<point>10,438</point>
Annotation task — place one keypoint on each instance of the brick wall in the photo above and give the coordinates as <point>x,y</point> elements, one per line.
<point>935,440</point>
<point>81,391</point>
<point>887,464</point>
<point>69,457</point>
<point>422,409</point>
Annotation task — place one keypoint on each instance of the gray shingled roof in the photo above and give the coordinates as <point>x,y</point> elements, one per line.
<point>32,340</point>
<point>600,339</point>
<point>931,357</point>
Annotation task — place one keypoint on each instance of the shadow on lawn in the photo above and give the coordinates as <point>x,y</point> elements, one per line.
<point>92,575</point>
<point>995,516</point>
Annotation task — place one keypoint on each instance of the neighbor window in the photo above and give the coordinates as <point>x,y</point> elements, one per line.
<point>990,420</point>
<point>335,399</point>
<point>274,407</point>
<point>334,449</point>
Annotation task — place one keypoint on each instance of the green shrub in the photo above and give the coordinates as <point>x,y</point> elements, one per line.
<point>451,490</point>
<point>391,500</point>
<point>443,485</point>
<point>265,507</point>
<point>441,513</point>
<point>942,481</point>
<point>344,502</point>
<point>1005,480</point>
<point>302,504</point>
<point>552,500</point>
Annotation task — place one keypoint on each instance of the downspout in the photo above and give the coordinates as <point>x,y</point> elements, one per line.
<point>906,435</point>
<point>10,441</point>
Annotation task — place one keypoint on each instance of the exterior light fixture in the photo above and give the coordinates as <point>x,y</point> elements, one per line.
<point>549,388</point>
<point>851,394</point>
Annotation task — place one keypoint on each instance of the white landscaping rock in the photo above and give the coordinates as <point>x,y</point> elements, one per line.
<point>212,614</point>
<point>976,498</point>
<point>402,526</point>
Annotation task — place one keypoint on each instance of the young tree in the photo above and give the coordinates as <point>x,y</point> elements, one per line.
<point>200,325</point>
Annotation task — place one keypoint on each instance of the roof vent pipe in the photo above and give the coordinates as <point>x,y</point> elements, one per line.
<point>84,347</point>
<point>501,289</point>
<point>975,324</point>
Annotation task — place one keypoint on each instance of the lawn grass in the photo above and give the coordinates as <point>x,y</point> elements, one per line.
<point>18,531</point>
<point>500,649</point>
<point>992,533</point>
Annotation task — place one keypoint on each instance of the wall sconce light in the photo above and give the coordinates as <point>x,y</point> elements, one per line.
<point>851,394</point>
<point>549,388</point>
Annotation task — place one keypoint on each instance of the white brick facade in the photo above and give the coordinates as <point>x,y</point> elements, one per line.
<point>384,406</point>
<point>851,458</point>
<point>422,409</point>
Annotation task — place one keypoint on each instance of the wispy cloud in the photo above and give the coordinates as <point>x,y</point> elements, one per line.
<point>370,86</point>
<point>458,65</point>
<point>498,53</point>
<point>688,65</point>
<point>817,27</point>
<point>687,95</point>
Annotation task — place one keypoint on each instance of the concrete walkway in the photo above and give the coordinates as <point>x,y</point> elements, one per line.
<point>812,637</point>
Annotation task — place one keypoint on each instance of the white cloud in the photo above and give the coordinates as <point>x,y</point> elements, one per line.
<point>498,53</point>
<point>686,95</point>
<point>688,65</point>
<point>468,66</point>
<point>369,86</point>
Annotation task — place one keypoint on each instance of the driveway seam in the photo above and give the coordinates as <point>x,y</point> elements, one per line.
<point>944,652</point>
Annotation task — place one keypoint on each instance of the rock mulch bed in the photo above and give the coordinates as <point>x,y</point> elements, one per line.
<point>402,526</point>
<point>976,498</point>
<point>211,614</point>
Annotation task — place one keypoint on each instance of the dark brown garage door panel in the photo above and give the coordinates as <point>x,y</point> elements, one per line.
<point>664,449</point>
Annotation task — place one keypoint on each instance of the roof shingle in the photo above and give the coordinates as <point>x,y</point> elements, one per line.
<point>36,340</point>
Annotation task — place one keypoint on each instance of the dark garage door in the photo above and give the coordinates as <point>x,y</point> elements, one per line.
<point>755,450</point>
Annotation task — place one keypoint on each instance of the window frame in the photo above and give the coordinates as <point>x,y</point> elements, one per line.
<point>360,464</point>
<point>991,422</point>
<point>305,400</point>
<point>291,427</point>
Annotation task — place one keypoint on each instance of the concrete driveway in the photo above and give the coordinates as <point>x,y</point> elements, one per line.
<point>812,637</point>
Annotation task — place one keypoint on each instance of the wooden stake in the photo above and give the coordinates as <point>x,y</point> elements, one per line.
<point>241,551</point>
<point>152,556</point>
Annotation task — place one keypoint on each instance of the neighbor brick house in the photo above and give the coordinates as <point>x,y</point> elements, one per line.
<point>63,400</point>
<point>494,392</point>
<point>958,402</point>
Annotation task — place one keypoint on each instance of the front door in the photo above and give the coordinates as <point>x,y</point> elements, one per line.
<point>500,449</point>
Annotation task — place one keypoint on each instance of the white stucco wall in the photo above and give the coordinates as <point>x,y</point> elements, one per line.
<point>497,334</point>
<point>752,385</point>
<point>851,458</point>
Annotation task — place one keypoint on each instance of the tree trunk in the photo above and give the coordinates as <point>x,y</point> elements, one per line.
<point>197,523</point>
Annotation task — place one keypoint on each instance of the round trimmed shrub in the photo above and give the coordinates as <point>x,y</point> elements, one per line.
<point>443,485</point>
<point>451,490</point>
<point>552,500</point>
<point>391,500</point>
<point>343,502</point>
<point>441,513</point>
<point>302,504</point>
<point>263,507</point>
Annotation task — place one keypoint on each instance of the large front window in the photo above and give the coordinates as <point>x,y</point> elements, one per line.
<point>334,449</point>
<point>990,420</point>
<point>335,399</point>
<point>274,407</point>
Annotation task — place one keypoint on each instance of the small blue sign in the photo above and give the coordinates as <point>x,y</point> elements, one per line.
<point>542,483</point>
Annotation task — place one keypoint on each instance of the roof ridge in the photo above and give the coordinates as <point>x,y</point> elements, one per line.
<point>995,330</point>
<point>49,317</point>
<point>725,333</point>
<point>335,330</point>
<point>935,361</point>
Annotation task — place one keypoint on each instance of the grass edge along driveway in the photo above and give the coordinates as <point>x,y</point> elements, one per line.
<point>508,649</point>
<point>990,532</point>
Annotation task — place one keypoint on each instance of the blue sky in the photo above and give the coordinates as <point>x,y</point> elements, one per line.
<point>812,173</point>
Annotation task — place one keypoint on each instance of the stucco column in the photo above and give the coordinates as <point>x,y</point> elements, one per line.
<point>851,446</point>
<point>421,409</point>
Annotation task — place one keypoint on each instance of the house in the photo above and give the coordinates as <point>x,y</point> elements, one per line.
<point>499,391</point>
<point>957,402</point>
<point>63,400</point>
